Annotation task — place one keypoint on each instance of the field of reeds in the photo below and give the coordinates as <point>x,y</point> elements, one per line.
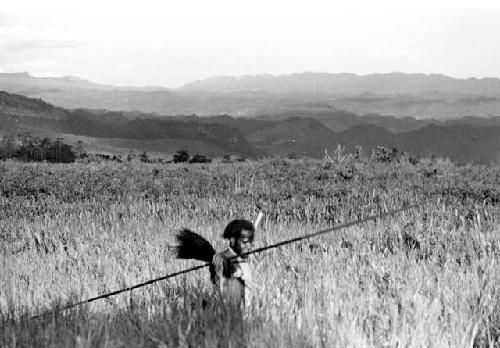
<point>427,277</point>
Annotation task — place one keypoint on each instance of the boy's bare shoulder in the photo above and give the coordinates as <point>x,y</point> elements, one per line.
<point>224,255</point>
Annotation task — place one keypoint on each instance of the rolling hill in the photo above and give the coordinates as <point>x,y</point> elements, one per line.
<point>459,141</point>
<point>22,114</point>
<point>251,137</point>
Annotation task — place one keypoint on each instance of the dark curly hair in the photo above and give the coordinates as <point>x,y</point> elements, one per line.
<point>234,228</point>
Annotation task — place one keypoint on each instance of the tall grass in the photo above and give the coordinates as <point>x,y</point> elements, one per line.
<point>428,277</point>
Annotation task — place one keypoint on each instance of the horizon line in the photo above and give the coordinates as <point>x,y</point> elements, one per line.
<point>139,86</point>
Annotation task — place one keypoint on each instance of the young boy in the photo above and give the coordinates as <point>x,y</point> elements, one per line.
<point>229,269</point>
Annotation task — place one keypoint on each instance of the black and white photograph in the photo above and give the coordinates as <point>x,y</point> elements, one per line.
<point>250,173</point>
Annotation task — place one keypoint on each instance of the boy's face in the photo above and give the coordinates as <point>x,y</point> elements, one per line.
<point>243,244</point>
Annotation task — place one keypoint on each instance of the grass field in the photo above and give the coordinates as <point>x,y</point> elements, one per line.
<point>427,277</point>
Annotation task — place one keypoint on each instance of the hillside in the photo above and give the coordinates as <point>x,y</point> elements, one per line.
<point>459,141</point>
<point>21,114</point>
<point>12,104</point>
<point>218,135</point>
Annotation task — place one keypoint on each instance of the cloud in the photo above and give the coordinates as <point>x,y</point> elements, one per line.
<point>25,45</point>
<point>18,39</point>
<point>34,49</point>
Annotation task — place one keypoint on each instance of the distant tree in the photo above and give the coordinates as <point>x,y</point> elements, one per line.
<point>44,147</point>
<point>63,153</point>
<point>200,159</point>
<point>7,148</point>
<point>79,149</point>
<point>26,148</point>
<point>25,139</point>
<point>181,156</point>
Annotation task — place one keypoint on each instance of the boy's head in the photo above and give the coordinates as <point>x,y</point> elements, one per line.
<point>240,234</point>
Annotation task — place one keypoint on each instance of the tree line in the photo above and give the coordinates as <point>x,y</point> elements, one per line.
<point>27,148</point>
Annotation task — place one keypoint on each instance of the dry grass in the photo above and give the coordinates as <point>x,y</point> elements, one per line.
<point>429,277</point>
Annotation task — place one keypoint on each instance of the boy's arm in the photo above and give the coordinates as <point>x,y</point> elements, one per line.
<point>217,271</point>
<point>244,272</point>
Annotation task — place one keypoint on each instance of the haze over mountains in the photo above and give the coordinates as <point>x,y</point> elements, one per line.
<point>349,84</point>
<point>397,94</point>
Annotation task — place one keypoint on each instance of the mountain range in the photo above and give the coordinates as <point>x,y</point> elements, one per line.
<point>349,84</point>
<point>397,94</point>
<point>471,139</point>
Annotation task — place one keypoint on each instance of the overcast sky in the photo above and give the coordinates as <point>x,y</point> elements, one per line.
<point>172,43</point>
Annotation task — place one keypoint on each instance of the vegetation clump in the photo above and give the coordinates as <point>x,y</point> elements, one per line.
<point>181,156</point>
<point>199,159</point>
<point>384,155</point>
<point>26,148</point>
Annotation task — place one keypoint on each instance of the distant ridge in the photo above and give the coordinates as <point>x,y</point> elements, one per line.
<point>24,81</point>
<point>349,84</point>
<point>365,86</point>
<point>400,95</point>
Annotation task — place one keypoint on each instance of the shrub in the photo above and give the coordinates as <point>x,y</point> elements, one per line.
<point>346,172</point>
<point>181,156</point>
<point>200,159</point>
<point>383,154</point>
<point>413,160</point>
<point>226,159</point>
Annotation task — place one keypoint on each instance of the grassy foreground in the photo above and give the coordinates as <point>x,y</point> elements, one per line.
<point>428,277</point>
